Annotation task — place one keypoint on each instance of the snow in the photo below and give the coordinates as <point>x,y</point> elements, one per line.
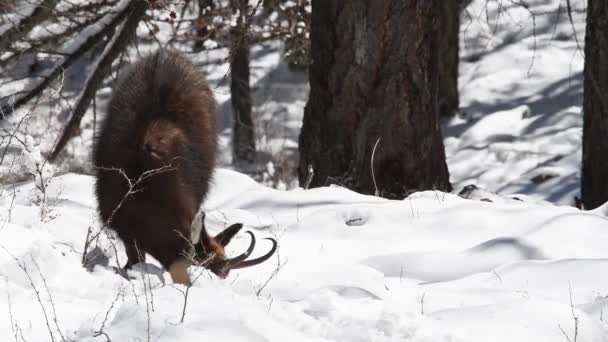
<point>432,267</point>
<point>92,30</point>
<point>521,89</point>
<point>22,11</point>
<point>350,267</point>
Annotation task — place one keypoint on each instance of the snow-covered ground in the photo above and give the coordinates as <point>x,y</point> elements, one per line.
<point>433,267</point>
<point>521,86</point>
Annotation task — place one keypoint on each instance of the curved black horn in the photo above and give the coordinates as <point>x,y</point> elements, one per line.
<point>227,234</point>
<point>238,259</point>
<point>256,261</point>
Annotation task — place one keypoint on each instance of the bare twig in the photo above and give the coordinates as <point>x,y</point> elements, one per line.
<point>422,303</point>
<point>309,177</point>
<point>13,134</point>
<point>86,247</point>
<point>574,317</point>
<point>100,331</point>
<point>376,193</point>
<point>147,306</point>
<point>14,325</point>
<point>22,266</point>
<point>533,16</point>
<point>578,44</point>
<point>131,190</point>
<point>149,284</point>
<point>273,274</point>
<point>191,256</point>
<point>48,292</point>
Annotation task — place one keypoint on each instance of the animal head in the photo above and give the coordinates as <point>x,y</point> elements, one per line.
<point>210,251</point>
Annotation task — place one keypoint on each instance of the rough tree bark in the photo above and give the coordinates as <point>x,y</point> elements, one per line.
<point>594,184</point>
<point>448,59</point>
<point>243,139</point>
<point>374,80</point>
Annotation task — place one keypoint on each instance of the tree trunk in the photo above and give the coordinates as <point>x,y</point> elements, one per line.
<point>373,84</point>
<point>594,187</point>
<point>448,59</point>
<point>203,20</point>
<point>243,140</point>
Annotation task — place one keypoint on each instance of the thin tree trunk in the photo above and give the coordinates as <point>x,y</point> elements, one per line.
<point>374,93</point>
<point>594,184</point>
<point>243,140</point>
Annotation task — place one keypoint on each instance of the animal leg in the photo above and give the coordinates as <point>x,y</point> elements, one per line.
<point>134,254</point>
<point>179,271</point>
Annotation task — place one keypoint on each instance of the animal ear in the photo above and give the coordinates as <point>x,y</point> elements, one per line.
<point>227,234</point>
<point>197,227</point>
<point>207,243</point>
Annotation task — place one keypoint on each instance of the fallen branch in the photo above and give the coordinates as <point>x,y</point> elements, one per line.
<point>102,68</point>
<point>21,28</point>
<point>80,45</point>
<point>47,43</point>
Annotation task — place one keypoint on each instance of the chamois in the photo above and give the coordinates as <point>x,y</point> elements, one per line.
<point>154,158</point>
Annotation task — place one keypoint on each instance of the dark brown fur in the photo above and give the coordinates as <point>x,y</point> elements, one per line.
<point>161,117</point>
